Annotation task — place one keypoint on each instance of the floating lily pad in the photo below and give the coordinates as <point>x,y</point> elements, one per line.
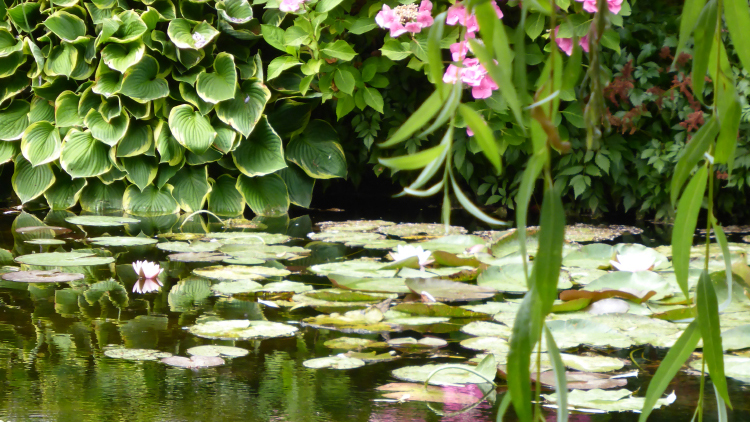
<point>360,238</point>
<point>377,244</point>
<point>584,276</point>
<point>412,345</point>
<point>602,401</point>
<point>456,244</point>
<point>595,256</point>
<point>196,246</point>
<point>633,282</point>
<point>358,321</point>
<point>367,284</point>
<point>229,288</point>
<point>466,395</point>
<point>242,260</point>
<point>487,329</point>
<point>490,344</point>
<point>353,225</point>
<point>39,276</point>
<point>592,363</point>
<point>454,375</point>
<point>240,272</point>
<point>270,288</point>
<point>582,380</point>
<point>198,257</point>
<point>136,354</point>
<point>122,241</point>
<point>353,268</point>
<point>194,362</point>
<point>588,233</point>
<point>101,220</point>
<point>373,357</point>
<point>420,230</point>
<point>506,242</point>
<point>736,338</point>
<point>229,238</point>
<point>574,332</point>
<point>510,278</point>
<point>64,259</point>
<point>349,343</point>
<point>213,350</point>
<point>185,237</point>
<point>333,300</point>
<point>264,251</point>
<point>737,367</point>
<point>43,229</point>
<point>241,329</point>
<point>334,362</point>
<point>45,242</point>
<point>436,310</point>
<point>449,291</point>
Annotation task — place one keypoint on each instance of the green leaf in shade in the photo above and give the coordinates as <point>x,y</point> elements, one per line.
<point>190,95</point>
<point>668,368</point>
<point>483,135</point>
<point>261,153</point>
<point>14,120</point>
<point>84,156</point>
<point>373,98</point>
<point>224,199</point>
<point>710,329</point>
<point>8,150</point>
<point>280,64</point>
<point>413,161</point>
<point>191,187</point>
<point>41,143</point>
<point>170,151</point>
<point>184,35</point>
<point>684,226</point>
<point>244,110</point>
<point>693,153</point>
<point>289,117</point>
<point>266,195</point>
<point>138,140</point>
<point>526,330</point>
<point>318,152</point>
<point>470,207</point>
<point>108,81</point>
<point>192,130</point>
<point>339,49</point>
<point>525,190</point>
<point>703,38</point>
<point>141,82</point>
<point>219,85</point>
<point>109,132</point>
<point>737,17</point>
<point>9,64</point>
<point>64,193</point>
<point>131,28</point>
<point>299,185</point>
<point>28,181</point>
<point>140,170</point>
<point>98,197</point>
<point>121,56</point>
<point>419,118</point>
<point>561,383</point>
<point>226,140</point>
<point>66,26</point>
<point>151,201</point>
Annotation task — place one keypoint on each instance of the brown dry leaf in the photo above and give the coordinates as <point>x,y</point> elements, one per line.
<point>637,296</point>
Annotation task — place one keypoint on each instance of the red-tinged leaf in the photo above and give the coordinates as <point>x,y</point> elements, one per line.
<point>637,297</point>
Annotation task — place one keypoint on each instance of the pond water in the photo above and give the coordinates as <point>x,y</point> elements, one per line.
<point>56,339</point>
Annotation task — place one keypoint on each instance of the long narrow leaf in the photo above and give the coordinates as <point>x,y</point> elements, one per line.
<point>684,227</point>
<point>721,407</point>
<point>730,112</point>
<point>525,190</point>
<point>503,407</point>
<point>704,37</point>
<point>710,328</point>
<point>471,208</point>
<point>434,54</point>
<point>561,382</point>
<point>427,192</point>
<point>737,16</point>
<point>721,239</point>
<point>448,112</point>
<point>434,166</point>
<point>690,13</point>
<point>693,153</point>
<point>548,259</point>
<point>483,135</point>
<point>526,330</point>
<point>413,161</point>
<point>673,361</point>
<point>419,118</point>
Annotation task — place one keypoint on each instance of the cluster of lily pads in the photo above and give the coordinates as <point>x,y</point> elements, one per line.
<point>442,284</point>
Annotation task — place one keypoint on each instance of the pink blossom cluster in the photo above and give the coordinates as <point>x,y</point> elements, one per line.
<point>457,14</point>
<point>406,18</point>
<point>471,73</point>
<point>566,44</point>
<point>590,5</point>
<point>290,6</point>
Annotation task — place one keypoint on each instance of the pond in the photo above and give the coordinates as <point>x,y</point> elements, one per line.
<point>92,348</point>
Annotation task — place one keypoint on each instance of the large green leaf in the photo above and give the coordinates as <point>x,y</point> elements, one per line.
<point>191,129</point>
<point>141,170</point>
<point>224,198</point>
<point>684,227</point>
<point>219,85</point>
<point>141,82</point>
<point>184,35</point>
<point>289,117</point>
<point>190,95</point>
<point>84,156</point>
<point>66,110</point>
<point>138,140</point>
<point>235,11</point>
<point>191,187</point>
<point>11,63</point>
<point>64,193</point>
<point>266,195</point>
<point>108,81</point>
<point>318,152</point>
<point>737,16</point>
<point>707,306</point>
<point>109,132</point>
<point>121,56</point>
<point>149,202</point>
<point>41,143</point>
<point>14,120</point>
<point>299,185</point>
<point>8,150</point>
<point>66,26</point>
<point>28,181</point>
<point>226,140</point>
<point>98,197</point>
<point>170,151</point>
<point>261,153</point>
<point>244,111</point>
<point>130,28</point>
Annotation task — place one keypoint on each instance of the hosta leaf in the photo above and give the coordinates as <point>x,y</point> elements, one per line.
<point>8,43</point>
<point>41,143</point>
<point>14,120</point>
<point>100,10</point>
<point>98,197</point>
<point>261,153</point>
<point>224,198</point>
<point>149,202</point>
<point>41,111</point>
<point>89,100</point>
<point>64,193</point>
<point>236,11</point>
<point>165,174</point>
<point>243,112</point>
<point>26,15</point>
<point>8,150</point>
<point>219,85</point>
<point>52,87</point>
<point>140,81</point>
<point>141,170</point>
<point>138,110</point>
<point>170,151</point>
<point>209,156</point>
<point>190,95</point>
<point>61,61</point>
<point>28,181</point>
<point>137,140</point>
<point>66,110</point>
<point>289,117</point>
<point>165,9</point>
<point>131,28</point>
<point>84,156</point>
<point>190,58</point>
<point>191,129</point>
<point>108,81</point>
<point>66,26</point>
<point>183,35</point>
<point>299,185</point>
<point>191,187</point>
<point>13,85</point>
<point>110,108</point>
<point>266,195</point>
<point>121,56</point>
<point>108,132</point>
<point>114,174</point>
<point>318,152</point>
<point>225,141</point>
<point>9,64</point>
<point>83,69</point>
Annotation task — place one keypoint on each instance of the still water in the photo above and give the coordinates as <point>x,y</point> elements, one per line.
<point>53,367</point>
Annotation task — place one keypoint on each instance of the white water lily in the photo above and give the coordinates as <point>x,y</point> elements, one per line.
<point>146,285</point>
<point>634,262</point>
<point>147,269</point>
<point>408,251</point>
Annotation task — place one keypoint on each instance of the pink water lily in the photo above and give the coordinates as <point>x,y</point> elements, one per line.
<point>147,269</point>
<point>146,285</point>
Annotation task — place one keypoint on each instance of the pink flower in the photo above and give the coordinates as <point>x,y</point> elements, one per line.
<point>452,74</point>
<point>614,6</point>
<point>484,89</point>
<point>386,17</point>
<point>566,44</point>
<point>290,6</point>
<point>469,131</point>
<point>406,18</point>
<point>457,14</point>
<point>459,50</point>
<point>424,16</point>
<point>473,72</point>
<point>397,29</point>
<point>146,269</point>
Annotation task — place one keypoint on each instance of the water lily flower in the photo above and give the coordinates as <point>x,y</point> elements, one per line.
<point>634,262</point>
<point>408,251</point>
<point>405,18</point>
<point>614,6</point>
<point>290,6</point>
<point>147,269</point>
<point>146,285</point>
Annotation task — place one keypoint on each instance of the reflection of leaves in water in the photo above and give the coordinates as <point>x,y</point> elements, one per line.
<point>110,289</point>
<point>239,309</point>
<point>151,226</point>
<point>66,302</point>
<point>189,293</point>
<point>142,332</point>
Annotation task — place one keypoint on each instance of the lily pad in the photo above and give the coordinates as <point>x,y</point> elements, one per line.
<point>101,220</point>
<point>353,268</point>
<point>239,272</point>
<point>122,241</point>
<point>412,345</point>
<point>487,329</point>
<point>367,284</point>
<point>333,300</point>
<point>736,338</point>
<point>39,276</point>
<point>196,246</point>
<point>737,367</point>
<point>359,238</point>
<point>603,401</point>
<point>334,362</point>
<point>457,244</point>
<point>449,291</point>
<point>377,244</point>
<point>229,288</point>
<point>45,242</point>
<point>575,332</point>
<point>242,329</point>
<point>454,375</point>
<point>582,380</point>
<point>373,357</point>
<point>253,238</point>
<point>43,229</point>
<point>592,363</point>
<point>349,343</point>
<point>420,230</point>
<point>594,256</point>
<point>213,350</point>
<point>633,282</point>
<point>466,395</point>
<point>358,321</point>
<point>275,287</point>
<point>588,233</point>
<point>136,354</point>
<point>198,257</point>
<point>353,225</point>
<point>494,345</point>
<point>510,278</point>
<point>64,259</point>
<point>194,362</point>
